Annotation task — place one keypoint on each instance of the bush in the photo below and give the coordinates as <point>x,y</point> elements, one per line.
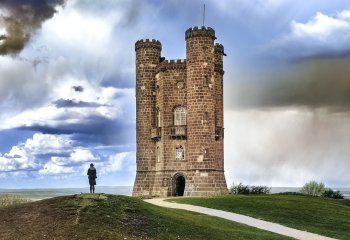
<point>313,188</point>
<point>329,193</point>
<point>260,190</point>
<point>245,189</point>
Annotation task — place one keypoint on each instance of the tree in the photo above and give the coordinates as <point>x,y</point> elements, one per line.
<point>313,188</point>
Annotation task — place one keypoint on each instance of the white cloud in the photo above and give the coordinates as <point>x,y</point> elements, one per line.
<point>16,160</point>
<point>58,155</point>
<point>51,168</point>
<point>24,156</point>
<point>82,155</point>
<point>321,35</point>
<point>77,30</point>
<point>110,104</point>
<point>115,163</point>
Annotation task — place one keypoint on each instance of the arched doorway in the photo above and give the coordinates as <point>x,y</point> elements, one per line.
<point>179,184</point>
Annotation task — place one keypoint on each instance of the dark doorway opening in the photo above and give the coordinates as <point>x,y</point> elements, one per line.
<point>179,185</point>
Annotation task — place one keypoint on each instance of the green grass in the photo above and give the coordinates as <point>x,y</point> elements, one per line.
<point>142,220</point>
<point>99,216</point>
<point>8,200</point>
<point>328,217</point>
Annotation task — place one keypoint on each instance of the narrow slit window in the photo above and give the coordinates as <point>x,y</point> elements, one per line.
<point>205,117</point>
<point>158,117</point>
<point>205,153</point>
<point>158,154</point>
<point>206,80</point>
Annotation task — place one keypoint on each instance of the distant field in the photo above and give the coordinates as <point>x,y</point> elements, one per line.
<point>327,217</point>
<point>8,200</point>
<point>100,216</point>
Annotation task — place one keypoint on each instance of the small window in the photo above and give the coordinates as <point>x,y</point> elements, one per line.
<point>158,154</point>
<point>180,153</point>
<point>206,81</point>
<point>205,117</point>
<point>179,116</point>
<point>158,117</point>
<point>205,153</point>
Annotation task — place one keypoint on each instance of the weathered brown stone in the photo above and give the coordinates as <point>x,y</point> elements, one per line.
<point>162,85</point>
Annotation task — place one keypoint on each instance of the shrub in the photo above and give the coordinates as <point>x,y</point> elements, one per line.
<point>260,190</point>
<point>329,193</point>
<point>313,188</point>
<point>245,189</point>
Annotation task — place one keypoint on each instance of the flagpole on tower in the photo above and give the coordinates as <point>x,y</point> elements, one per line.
<point>203,14</point>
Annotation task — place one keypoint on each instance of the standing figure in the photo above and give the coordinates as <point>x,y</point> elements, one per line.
<point>92,177</point>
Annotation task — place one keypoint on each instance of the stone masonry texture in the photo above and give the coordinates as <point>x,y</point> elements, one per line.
<point>196,85</point>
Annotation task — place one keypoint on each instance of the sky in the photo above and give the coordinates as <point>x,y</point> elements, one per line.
<point>67,78</point>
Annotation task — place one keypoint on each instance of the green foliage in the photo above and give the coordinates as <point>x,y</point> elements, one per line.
<point>328,217</point>
<point>8,200</point>
<point>259,190</point>
<point>329,193</point>
<point>102,216</point>
<point>290,193</point>
<point>313,188</point>
<point>246,189</point>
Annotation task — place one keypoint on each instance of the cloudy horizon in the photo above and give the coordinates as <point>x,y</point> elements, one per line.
<point>68,76</point>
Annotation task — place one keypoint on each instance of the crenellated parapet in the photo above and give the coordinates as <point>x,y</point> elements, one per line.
<point>219,48</point>
<point>171,65</point>
<point>200,32</point>
<point>148,43</point>
<point>218,62</point>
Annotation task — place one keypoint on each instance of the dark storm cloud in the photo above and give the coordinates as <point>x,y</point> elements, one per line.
<point>78,88</point>
<point>24,17</point>
<point>130,9</point>
<point>314,83</point>
<point>95,130</point>
<point>68,103</point>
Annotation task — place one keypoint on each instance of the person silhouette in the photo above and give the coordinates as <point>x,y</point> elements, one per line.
<point>92,175</point>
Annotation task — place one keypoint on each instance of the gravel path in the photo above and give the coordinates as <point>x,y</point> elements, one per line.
<point>268,226</point>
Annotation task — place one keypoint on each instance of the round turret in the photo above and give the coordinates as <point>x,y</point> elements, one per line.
<point>200,97</point>
<point>148,54</point>
<point>200,32</point>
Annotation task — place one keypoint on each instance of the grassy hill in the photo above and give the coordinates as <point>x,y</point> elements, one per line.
<point>99,216</point>
<point>328,217</point>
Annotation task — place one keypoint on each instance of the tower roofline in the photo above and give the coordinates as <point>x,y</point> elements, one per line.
<point>219,48</point>
<point>171,65</point>
<point>200,32</point>
<point>148,43</point>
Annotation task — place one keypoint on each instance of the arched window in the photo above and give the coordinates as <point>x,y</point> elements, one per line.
<point>179,153</point>
<point>179,116</point>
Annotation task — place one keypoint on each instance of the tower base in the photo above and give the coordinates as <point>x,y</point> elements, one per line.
<point>187,183</point>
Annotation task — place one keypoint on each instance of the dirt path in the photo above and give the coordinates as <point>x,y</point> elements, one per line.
<point>268,226</point>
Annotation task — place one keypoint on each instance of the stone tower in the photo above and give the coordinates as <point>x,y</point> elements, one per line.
<point>179,118</point>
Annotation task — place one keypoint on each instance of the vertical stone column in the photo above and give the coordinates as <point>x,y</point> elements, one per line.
<point>147,59</point>
<point>204,175</point>
<point>219,104</point>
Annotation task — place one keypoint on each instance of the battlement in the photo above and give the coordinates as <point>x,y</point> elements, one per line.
<point>200,32</point>
<point>219,48</point>
<point>171,65</point>
<point>148,43</point>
